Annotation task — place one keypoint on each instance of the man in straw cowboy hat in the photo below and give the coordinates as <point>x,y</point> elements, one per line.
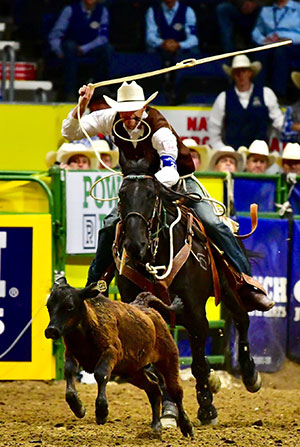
<point>226,160</point>
<point>290,160</point>
<point>258,158</point>
<point>73,156</point>
<point>243,112</point>
<point>131,117</point>
<point>200,154</point>
<point>291,127</point>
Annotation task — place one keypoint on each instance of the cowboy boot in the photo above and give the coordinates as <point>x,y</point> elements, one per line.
<point>253,296</point>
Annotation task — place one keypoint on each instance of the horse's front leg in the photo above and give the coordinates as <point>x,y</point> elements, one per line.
<point>102,375</point>
<point>207,413</point>
<point>250,376</point>
<point>72,398</point>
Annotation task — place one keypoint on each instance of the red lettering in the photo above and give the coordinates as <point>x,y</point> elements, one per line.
<point>192,123</point>
<point>202,123</point>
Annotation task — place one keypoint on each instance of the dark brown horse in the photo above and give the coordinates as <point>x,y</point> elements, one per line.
<point>147,210</point>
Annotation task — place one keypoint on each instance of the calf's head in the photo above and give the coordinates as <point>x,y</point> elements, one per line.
<point>66,308</point>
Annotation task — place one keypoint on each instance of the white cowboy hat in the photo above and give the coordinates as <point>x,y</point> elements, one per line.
<point>258,147</point>
<point>295,75</point>
<point>203,150</point>
<point>226,151</point>
<point>102,147</point>
<point>242,61</point>
<point>290,152</point>
<point>67,150</point>
<point>130,97</point>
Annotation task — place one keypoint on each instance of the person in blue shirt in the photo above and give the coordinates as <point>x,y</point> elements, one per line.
<point>291,126</point>
<point>80,37</point>
<point>171,30</point>
<point>275,23</point>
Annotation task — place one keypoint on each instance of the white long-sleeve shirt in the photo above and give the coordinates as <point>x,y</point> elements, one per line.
<point>101,121</point>
<point>217,115</point>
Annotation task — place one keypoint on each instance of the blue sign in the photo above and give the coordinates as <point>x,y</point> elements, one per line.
<point>268,330</point>
<point>15,292</point>
<point>294,306</point>
<point>260,191</point>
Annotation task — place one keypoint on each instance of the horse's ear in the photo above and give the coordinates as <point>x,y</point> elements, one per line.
<point>122,161</point>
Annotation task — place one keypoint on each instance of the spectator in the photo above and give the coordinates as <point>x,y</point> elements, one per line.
<point>243,112</point>
<point>290,160</point>
<point>291,126</point>
<point>73,156</point>
<point>200,154</point>
<point>226,160</point>
<point>236,17</point>
<point>171,31</point>
<point>80,38</point>
<point>275,23</point>
<point>258,158</point>
<point>108,156</point>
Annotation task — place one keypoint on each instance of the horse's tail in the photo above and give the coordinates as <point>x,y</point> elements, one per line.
<point>147,299</point>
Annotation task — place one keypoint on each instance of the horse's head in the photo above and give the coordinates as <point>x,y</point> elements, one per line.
<point>137,206</point>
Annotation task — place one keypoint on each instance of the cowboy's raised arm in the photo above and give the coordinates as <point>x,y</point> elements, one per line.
<point>93,123</point>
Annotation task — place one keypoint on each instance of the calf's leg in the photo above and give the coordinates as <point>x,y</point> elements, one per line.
<point>102,375</point>
<point>71,368</point>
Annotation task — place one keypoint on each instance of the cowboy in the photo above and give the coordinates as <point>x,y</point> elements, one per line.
<point>226,160</point>
<point>258,158</point>
<point>200,154</point>
<point>141,131</point>
<point>72,156</point>
<point>244,112</point>
<point>290,160</point>
<point>291,126</point>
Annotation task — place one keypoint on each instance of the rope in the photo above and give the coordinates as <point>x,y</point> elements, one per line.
<point>131,139</point>
<point>153,269</point>
<point>186,63</point>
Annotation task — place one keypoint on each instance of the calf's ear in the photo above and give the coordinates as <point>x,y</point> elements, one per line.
<point>89,292</point>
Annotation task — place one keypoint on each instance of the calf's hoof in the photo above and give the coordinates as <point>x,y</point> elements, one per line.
<point>75,404</point>
<point>253,385</point>
<point>186,426</point>
<point>207,415</point>
<point>156,428</point>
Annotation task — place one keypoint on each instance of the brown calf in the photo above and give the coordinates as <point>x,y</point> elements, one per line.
<point>105,337</point>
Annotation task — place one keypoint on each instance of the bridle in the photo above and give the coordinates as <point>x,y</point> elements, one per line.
<point>156,211</point>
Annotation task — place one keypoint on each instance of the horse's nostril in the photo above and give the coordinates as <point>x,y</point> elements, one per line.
<point>52,332</point>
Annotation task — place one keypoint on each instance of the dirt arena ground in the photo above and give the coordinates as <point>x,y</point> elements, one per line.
<point>35,414</point>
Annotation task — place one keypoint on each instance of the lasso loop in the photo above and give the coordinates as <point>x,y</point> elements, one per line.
<point>108,199</point>
<point>129,139</point>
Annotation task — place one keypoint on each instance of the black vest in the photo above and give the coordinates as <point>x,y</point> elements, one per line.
<point>243,126</point>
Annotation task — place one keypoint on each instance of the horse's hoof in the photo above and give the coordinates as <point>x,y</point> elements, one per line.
<point>75,404</point>
<point>255,385</point>
<point>208,415</point>
<point>168,422</point>
<point>101,421</point>
<point>169,415</point>
<point>208,422</point>
<point>101,411</point>
<point>214,382</point>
